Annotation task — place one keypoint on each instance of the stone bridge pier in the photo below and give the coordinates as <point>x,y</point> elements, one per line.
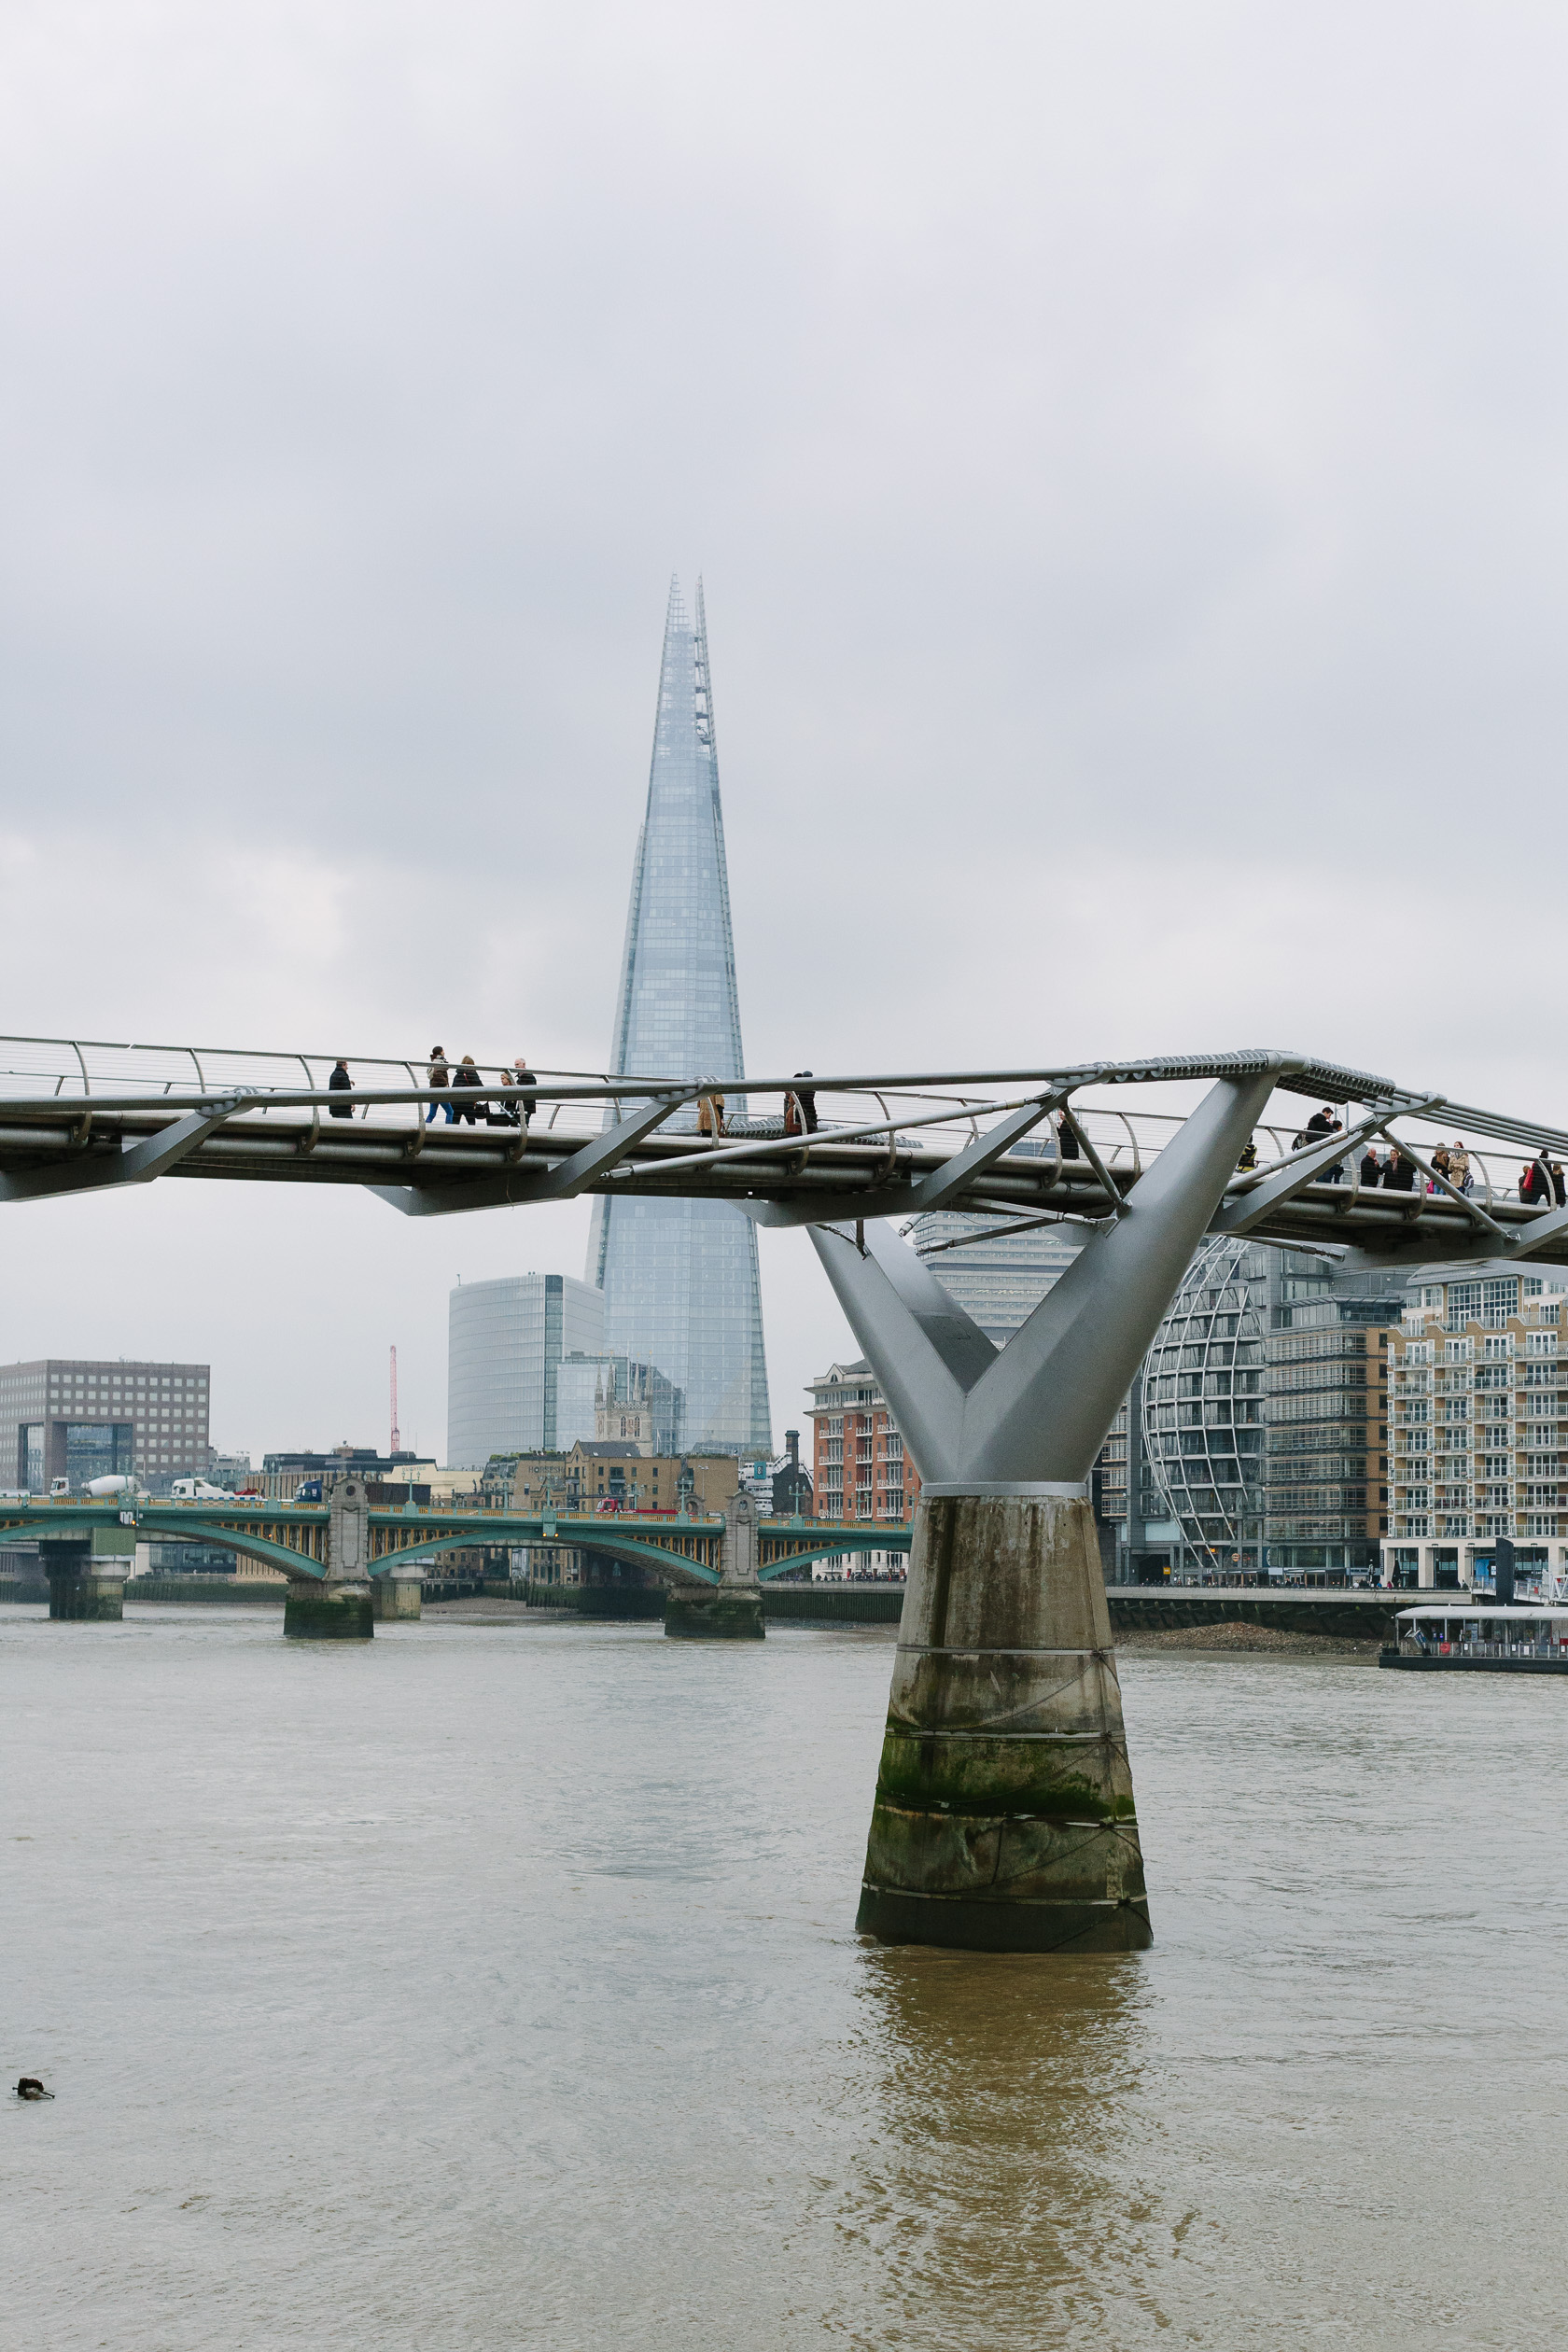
<point>1005,1818</point>
<point>731,1610</point>
<point>338,1606</point>
<point>82,1590</point>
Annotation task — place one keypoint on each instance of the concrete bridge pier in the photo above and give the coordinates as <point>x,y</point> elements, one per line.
<point>339,1606</point>
<point>1005,1818</point>
<point>731,1610</point>
<point>82,1590</point>
<point>397,1597</point>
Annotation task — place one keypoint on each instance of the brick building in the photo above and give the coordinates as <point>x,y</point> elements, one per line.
<point>860,1467</point>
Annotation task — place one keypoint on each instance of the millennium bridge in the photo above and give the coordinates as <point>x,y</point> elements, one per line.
<point>1004,1817</point>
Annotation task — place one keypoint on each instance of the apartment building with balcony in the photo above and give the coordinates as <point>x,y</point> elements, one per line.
<point>860,1467</point>
<point>1480,1426</point>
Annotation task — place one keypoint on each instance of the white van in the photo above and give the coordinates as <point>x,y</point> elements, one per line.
<point>198,1490</point>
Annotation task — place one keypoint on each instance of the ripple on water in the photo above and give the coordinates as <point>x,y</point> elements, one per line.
<point>496,1984</point>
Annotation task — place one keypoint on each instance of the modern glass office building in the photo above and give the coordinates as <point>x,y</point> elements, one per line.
<point>505,1341</point>
<point>998,1283</point>
<point>679,1277</point>
<point>1263,1412</point>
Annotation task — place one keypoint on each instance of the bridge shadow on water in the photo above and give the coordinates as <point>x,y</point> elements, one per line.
<point>1009,2195</point>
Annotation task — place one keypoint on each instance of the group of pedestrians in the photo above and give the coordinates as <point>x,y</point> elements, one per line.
<point>462,1079</point>
<point>1542,1182</point>
<point>800,1108</point>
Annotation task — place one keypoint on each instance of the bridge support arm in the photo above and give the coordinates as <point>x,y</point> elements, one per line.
<point>138,1164</point>
<point>1004,1817</point>
<point>521,1187</point>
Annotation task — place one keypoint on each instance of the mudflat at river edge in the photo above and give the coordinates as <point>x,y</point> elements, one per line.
<point>498,1984</point>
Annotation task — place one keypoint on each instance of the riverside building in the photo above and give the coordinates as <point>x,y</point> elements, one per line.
<point>860,1467</point>
<point>1259,1424</point>
<point>999,1281</point>
<point>505,1341</point>
<point>1478,1441</point>
<point>78,1418</point>
<point>679,1278</point>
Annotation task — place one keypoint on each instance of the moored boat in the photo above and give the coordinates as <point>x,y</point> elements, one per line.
<point>1476,1639</point>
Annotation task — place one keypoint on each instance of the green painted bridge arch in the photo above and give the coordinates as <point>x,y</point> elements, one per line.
<point>292,1537</point>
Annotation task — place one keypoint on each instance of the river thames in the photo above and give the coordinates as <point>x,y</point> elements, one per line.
<point>493,1985</point>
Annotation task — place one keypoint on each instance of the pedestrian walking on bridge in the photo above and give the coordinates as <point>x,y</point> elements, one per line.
<point>339,1081</point>
<point>466,1075</point>
<point>1538,1185</point>
<point>710,1113</point>
<point>438,1075</point>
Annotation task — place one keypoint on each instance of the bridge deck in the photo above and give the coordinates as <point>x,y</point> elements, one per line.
<point>457,1167</point>
<point>908,1143</point>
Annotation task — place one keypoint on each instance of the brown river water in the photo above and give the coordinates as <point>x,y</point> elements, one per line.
<point>496,1985</point>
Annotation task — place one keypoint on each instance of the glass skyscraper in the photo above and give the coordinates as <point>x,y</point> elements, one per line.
<point>505,1341</point>
<point>679,1277</point>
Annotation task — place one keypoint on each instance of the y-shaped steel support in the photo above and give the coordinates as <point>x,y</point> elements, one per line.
<point>1004,1816</point>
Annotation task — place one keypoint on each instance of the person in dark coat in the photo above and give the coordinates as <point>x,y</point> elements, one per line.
<point>1066,1141</point>
<point>1539,1185</point>
<point>1400,1174</point>
<point>1371,1169</point>
<point>466,1075</point>
<point>1322,1122</point>
<point>340,1082</point>
<point>807,1097</point>
<point>514,1114</point>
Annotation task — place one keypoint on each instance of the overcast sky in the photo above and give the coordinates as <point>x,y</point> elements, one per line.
<point>1125,448</point>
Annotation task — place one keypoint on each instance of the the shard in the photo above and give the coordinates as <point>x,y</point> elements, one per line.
<point>679,1277</point>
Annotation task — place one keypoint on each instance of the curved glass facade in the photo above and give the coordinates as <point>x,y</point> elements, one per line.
<point>1203,1398</point>
<point>505,1341</point>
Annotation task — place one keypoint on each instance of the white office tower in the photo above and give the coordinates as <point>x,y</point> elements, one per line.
<point>505,1341</point>
<point>998,1282</point>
